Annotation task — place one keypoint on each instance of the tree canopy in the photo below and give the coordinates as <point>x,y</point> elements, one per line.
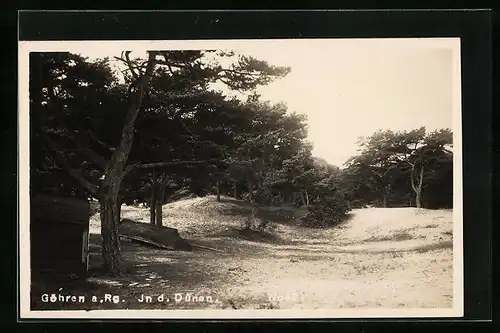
<point>87,118</point>
<point>401,162</point>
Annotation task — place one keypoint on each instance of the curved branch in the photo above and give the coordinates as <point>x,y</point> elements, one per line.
<point>90,187</point>
<point>93,156</point>
<point>164,164</point>
<point>120,155</point>
<point>100,142</point>
<point>125,58</point>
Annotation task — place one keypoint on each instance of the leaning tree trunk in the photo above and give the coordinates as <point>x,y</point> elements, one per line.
<point>110,219</point>
<point>384,200</point>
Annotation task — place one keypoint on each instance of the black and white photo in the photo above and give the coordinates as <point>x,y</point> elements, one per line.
<point>277,178</point>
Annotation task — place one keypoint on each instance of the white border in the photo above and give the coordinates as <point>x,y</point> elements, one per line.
<point>81,46</point>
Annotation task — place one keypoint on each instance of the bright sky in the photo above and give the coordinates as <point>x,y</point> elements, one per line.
<point>352,92</point>
<point>350,88</point>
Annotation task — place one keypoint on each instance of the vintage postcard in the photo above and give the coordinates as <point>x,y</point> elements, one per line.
<point>215,179</point>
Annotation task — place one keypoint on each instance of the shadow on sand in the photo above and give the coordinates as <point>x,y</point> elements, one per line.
<point>148,271</point>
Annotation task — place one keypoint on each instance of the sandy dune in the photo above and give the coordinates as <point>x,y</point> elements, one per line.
<point>378,258</point>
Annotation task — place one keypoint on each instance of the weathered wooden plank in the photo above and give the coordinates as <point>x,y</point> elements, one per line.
<point>207,248</point>
<point>147,241</point>
<point>165,236</point>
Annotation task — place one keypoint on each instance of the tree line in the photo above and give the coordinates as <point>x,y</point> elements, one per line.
<point>400,166</point>
<point>158,131</point>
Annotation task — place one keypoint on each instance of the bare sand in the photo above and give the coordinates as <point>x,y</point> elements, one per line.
<point>377,258</point>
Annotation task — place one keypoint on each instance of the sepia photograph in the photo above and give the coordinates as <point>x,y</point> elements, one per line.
<point>273,178</point>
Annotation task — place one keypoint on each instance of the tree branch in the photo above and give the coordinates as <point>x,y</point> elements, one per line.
<point>129,64</point>
<point>170,69</point>
<point>232,71</point>
<point>421,179</point>
<point>164,164</point>
<point>120,155</point>
<point>170,64</point>
<point>230,85</point>
<point>93,156</point>
<point>412,178</point>
<point>92,188</point>
<point>448,151</point>
<point>100,142</point>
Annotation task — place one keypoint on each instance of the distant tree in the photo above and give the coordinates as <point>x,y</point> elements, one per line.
<point>374,166</point>
<point>387,159</point>
<point>423,152</point>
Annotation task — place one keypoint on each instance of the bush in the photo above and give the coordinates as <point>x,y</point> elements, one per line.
<point>327,211</point>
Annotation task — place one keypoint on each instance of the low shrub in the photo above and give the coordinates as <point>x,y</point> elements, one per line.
<point>326,211</point>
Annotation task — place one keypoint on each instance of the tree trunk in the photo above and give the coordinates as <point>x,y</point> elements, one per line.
<point>418,188</point>
<point>253,214</point>
<point>418,198</point>
<point>302,198</point>
<point>420,184</point>
<point>119,209</point>
<point>159,206</point>
<point>254,211</point>
<point>307,198</point>
<point>152,208</point>
<point>218,190</point>
<point>152,204</point>
<point>110,218</point>
<point>113,262</point>
<point>109,190</point>
<point>159,215</point>
<point>235,190</point>
<point>384,200</point>
<point>250,191</point>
